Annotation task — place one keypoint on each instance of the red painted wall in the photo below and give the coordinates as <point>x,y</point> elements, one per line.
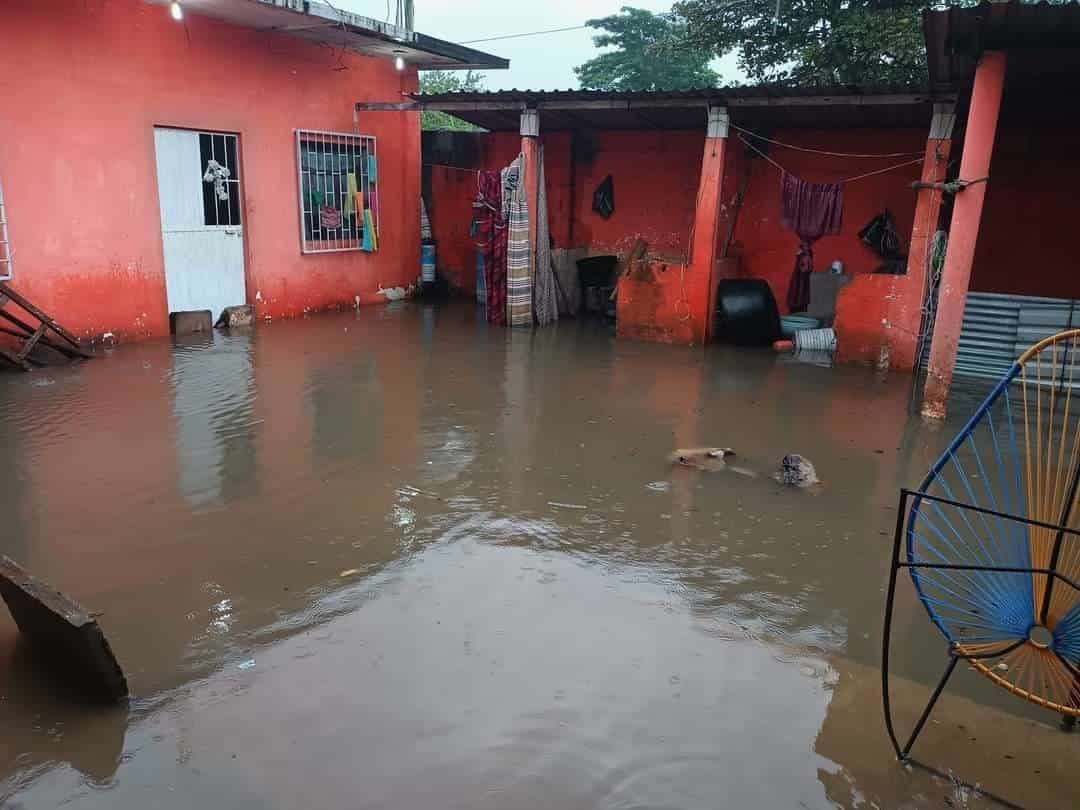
<point>655,175</point>
<point>1027,243</point>
<point>767,250</point>
<point>87,84</point>
<point>656,184</point>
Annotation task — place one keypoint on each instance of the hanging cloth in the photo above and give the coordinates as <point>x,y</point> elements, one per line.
<point>349,209</point>
<point>518,269</point>
<point>425,222</point>
<point>811,210</point>
<point>603,199</point>
<point>491,235</point>
<point>544,300</point>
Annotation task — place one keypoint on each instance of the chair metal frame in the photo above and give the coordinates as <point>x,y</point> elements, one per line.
<point>908,511</point>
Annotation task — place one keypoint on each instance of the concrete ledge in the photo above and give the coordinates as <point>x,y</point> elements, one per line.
<point>63,631</point>
<point>187,323</point>
<point>236,317</point>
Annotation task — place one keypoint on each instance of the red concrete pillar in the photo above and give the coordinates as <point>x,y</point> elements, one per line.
<point>904,317</point>
<point>964,231</point>
<point>530,148</point>
<point>704,248</point>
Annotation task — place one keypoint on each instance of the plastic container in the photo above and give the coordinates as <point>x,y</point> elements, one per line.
<point>427,262</point>
<point>821,339</point>
<point>790,324</point>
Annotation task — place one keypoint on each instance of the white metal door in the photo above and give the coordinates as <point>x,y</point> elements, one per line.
<point>201,224</point>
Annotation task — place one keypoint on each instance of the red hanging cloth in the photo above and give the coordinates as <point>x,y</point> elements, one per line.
<point>811,210</point>
<point>492,234</point>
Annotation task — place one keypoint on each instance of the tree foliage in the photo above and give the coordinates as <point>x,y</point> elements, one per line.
<point>813,42</point>
<point>445,81</point>
<point>643,58</point>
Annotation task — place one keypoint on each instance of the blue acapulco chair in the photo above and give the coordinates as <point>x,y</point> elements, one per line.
<point>991,538</point>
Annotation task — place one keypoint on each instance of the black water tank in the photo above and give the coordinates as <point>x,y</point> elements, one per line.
<point>746,312</point>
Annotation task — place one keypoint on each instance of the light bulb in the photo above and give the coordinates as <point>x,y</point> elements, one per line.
<point>176,10</point>
<point>399,62</point>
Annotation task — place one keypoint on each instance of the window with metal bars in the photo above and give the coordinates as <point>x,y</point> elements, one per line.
<point>338,180</point>
<point>221,179</point>
<point>5,245</point>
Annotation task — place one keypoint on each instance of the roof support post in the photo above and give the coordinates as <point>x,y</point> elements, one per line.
<point>964,230</point>
<point>530,148</point>
<point>705,247</point>
<point>901,340</point>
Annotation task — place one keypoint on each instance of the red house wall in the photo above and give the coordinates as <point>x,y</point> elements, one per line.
<point>767,250</point>
<point>1026,243</point>
<point>656,178</point>
<point>90,81</point>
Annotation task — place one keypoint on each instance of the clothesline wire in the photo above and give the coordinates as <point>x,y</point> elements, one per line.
<point>455,168</point>
<point>846,180</point>
<point>822,151</point>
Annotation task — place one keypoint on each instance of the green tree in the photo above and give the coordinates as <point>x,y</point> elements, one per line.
<point>813,42</point>
<point>445,81</point>
<point>641,59</point>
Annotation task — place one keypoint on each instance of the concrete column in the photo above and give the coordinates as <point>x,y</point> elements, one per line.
<point>964,230</point>
<point>530,147</point>
<point>905,312</point>
<point>704,249</point>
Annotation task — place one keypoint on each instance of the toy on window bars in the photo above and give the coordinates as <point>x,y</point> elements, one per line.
<point>217,174</point>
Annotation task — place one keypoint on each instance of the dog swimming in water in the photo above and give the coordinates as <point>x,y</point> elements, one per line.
<point>797,471</point>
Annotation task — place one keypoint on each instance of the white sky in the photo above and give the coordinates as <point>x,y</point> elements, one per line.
<point>536,63</point>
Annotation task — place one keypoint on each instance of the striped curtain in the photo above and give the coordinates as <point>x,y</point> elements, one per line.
<point>547,309</point>
<point>516,214</point>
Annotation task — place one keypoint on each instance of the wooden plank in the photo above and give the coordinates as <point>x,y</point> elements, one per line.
<point>28,331</point>
<point>67,636</point>
<point>42,316</point>
<point>32,342</point>
<point>15,361</point>
<point>63,348</point>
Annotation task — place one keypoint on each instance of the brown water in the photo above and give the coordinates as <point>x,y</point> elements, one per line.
<point>396,559</point>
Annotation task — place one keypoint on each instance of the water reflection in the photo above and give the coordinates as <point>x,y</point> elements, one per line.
<point>456,556</point>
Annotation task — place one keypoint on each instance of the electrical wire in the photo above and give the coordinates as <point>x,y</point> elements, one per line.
<point>823,151</point>
<point>524,34</point>
<point>845,180</point>
<point>454,168</point>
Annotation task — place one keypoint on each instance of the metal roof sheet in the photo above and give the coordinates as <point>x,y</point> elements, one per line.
<point>759,105</point>
<point>957,36</point>
<point>321,22</point>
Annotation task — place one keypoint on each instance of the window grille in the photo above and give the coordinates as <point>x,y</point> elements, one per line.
<point>5,245</point>
<point>338,181</point>
<point>221,179</point>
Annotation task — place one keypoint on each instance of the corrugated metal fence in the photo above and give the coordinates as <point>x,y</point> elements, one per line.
<point>999,328</point>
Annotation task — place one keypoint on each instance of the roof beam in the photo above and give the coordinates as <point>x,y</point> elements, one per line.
<point>631,105</point>
<point>890,99</point>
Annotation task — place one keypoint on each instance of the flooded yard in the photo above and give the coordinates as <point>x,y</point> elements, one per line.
<point>399,559</point>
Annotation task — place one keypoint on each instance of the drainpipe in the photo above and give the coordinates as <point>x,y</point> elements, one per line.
<point>964,230</point>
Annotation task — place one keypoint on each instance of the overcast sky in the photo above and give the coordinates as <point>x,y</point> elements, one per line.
<point>536,63</point>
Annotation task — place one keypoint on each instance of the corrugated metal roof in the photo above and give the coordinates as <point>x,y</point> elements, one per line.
<point>758,105</point>
<point>777,92</point>
<point>321,22</point>
<point>956,37</point>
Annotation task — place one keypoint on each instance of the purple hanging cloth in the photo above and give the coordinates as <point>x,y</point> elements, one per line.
<point>811,210</point>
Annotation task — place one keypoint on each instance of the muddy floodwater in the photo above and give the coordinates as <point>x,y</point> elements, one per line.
<point>397,559</point>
